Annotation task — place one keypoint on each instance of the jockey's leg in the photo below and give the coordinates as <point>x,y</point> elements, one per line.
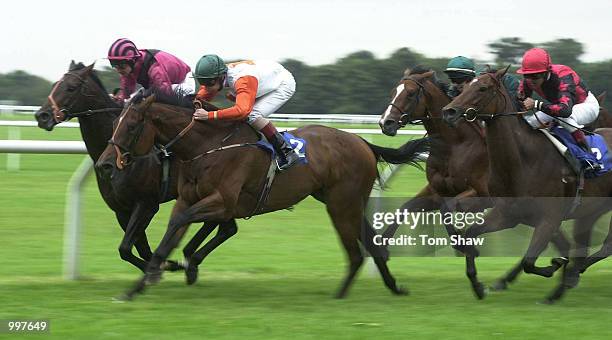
<point>538,120</point>
<point>265,106</point>
<point>582,114</point>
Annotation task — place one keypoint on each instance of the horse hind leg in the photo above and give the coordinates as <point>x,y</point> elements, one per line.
<point>602,253</point>
<point>559,241</point>
<point>380,255</point>
<point>226,231</point>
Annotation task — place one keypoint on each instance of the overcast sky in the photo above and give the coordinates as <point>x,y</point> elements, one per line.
<point>42,37</point>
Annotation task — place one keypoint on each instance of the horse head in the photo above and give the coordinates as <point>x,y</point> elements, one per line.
<point>409,103</point>
<point>74,93</point>
<point>480,99</point>
<point>133,133</point>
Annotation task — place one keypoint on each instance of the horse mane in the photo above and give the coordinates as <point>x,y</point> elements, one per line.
<point>177,97</point>
<point>420,69</point>
<point>95,78</point>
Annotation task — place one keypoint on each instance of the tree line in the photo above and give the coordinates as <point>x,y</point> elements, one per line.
<point>358,83</point>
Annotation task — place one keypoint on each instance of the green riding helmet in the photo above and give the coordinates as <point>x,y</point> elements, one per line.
<point>210,66</point>
<point>460,67</point>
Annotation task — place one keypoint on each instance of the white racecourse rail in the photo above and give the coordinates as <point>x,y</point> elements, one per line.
<point>75,186</point>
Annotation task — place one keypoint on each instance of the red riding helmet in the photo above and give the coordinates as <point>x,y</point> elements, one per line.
<point>535,60</point>
<point>123,49</point>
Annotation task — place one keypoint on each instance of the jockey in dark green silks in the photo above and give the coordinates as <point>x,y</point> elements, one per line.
<point>461,71</point>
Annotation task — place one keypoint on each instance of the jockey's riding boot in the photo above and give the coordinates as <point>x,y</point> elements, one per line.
<point>581,140</point>
<point>286,154</point>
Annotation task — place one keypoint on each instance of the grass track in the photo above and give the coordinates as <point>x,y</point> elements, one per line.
<point>275,279</point>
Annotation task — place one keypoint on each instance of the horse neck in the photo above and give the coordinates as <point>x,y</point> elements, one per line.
<point>505,137</point>
<point>97,129</point>
<point>436,126</point>
<point>202,136</point>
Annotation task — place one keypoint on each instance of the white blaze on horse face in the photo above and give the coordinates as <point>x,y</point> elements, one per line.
<point>120,120</point>
<point>398,90</point>
<point>474,81</point>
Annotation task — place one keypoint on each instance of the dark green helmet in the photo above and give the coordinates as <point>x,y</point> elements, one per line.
<point>209,66</point>
<point>460,66</point>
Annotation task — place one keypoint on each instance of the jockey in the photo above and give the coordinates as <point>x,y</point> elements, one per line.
<point>461,70</point>
<point>567,96</point>
<point>149,68</point>
<point>257,87</point>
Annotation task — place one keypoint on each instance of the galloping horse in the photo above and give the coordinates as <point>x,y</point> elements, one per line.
<point>222,175</point>
<point>457,167</point>
<point>529,177</point>
<point>133,197</point>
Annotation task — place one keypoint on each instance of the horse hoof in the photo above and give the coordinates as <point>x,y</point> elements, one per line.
<point>121,299</point>
<point>571,281</point>
<point>402,291</point>
<point>559,261</point>
<point>547,301</point>
<point>152,278</point>
<point>191,275</point>
<point>172,266</point>
<point>499,286</point>
<point>480,291</point>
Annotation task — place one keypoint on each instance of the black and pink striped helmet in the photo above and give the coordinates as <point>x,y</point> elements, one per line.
<point>123,49</point>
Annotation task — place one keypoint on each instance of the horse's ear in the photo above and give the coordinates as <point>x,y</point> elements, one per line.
<point>148,101</point>
<point>90,67</point>
<point>429,74</point>
<point>601,98</point>
<point>499,74</point>
<point>72,64</point>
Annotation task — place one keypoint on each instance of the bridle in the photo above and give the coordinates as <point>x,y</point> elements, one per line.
<point>473,113</point>
<point>61,114</point>
<point>124,153</point>
<point>405,115</point>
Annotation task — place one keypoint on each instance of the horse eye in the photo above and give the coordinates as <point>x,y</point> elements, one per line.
<point>71,88</point>
<point>482,89</point>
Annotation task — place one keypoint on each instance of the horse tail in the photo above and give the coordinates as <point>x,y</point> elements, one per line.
<point>410,153</point>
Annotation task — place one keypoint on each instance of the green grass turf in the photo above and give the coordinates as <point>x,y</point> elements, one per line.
<point>275,279</point>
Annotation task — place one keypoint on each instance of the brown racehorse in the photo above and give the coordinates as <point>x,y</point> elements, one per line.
<point>457,167</point>
<point>528,177</point>
<point>219,184</point>
<point>133,197</point>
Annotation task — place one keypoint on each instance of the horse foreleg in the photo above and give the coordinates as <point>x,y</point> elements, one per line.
<point>183,214</point>
<point>604,252</point>
<point>494,221</point>
<point>559,241</point>
<point>583,229</point>
<point>139,219</point>
<point>226,230</point>
<point>425,200</point>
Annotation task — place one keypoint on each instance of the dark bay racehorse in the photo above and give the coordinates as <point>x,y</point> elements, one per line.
<point>133,195</point>
<point>221,177</point>
<point>529,178</point>
<point>458,165</point>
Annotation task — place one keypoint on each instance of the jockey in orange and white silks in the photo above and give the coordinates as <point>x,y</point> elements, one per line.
<point>258,88</point>
<point>567,97</point>
<point>149,68</point>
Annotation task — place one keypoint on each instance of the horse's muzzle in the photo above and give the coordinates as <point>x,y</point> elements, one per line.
<point>45,120</point>
<point>452,115</point>
<point>389,127</point>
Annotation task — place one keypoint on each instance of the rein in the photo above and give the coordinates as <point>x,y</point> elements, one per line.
<point>62,114</point>
<point>405,115</point>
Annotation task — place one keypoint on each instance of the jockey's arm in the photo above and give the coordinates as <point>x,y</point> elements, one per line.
<point>523,91</point>
<point>158,78</point>
<point>246,93</point>
<point>564,104</point>
<point>127,85</point>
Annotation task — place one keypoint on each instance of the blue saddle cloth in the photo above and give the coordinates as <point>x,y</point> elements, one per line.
<point>599,151</point>
<point>298,145</point>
